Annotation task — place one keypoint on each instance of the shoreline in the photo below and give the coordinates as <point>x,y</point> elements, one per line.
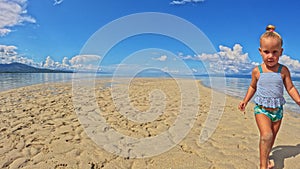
<point>286,110</point>
<point>40,129</point>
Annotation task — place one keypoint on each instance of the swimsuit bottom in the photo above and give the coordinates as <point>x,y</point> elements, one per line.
<point>274,115</point>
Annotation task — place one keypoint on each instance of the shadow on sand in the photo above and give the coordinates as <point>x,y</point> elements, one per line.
<point>280,153</point>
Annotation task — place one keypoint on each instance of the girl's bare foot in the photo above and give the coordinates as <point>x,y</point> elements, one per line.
<point>271,164</point>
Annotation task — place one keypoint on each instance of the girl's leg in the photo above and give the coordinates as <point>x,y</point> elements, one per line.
<point>275,128</point>
<point>266,138</point>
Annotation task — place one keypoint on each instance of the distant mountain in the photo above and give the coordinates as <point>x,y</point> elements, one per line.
<point>23,68</point>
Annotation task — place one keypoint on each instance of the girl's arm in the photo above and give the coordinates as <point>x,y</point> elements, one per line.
<point>251,90</point>
<point>289,86</point>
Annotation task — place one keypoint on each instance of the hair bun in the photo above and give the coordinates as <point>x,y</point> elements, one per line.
<point>270,28</point>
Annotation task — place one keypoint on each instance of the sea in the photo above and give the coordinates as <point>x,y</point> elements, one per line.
<point>233,86</point>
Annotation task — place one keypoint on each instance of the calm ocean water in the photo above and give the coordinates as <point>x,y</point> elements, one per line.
<point>232,86</point>
<point>238,87</point>
<point>15,80</point>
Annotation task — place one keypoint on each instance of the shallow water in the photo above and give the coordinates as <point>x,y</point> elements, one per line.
<point>238,87</point>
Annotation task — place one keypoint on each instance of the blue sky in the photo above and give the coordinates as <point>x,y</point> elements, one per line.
<point>52,33</point>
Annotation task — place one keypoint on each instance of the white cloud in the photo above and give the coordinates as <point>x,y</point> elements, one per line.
<point>85,62</point>
<point>182,2</point>
<point>65,62</point>
<point>226,60</point>
<point>161,58</point>
<point>49,63</point>
<point>8,50</point>
<point>188,57</point>
<point>9,54</point>
<point>4,31</point>
<point>292,64</point>
<point>85,59</point>
<point>206,57</point>
<point>12,13</point>
<point>169,70</point>
<point>57,2</point>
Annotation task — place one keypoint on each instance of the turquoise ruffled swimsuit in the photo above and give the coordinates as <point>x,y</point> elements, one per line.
<point>269,94</point>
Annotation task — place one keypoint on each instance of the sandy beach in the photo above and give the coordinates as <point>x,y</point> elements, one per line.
<point>44,126</point>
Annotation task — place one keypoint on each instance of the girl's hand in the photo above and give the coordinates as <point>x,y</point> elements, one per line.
<point>242,106</point>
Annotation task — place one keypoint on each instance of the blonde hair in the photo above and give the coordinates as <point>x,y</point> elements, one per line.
<point>270,32</point>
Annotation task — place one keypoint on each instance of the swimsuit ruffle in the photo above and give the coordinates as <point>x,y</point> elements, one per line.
<point>270,102</point>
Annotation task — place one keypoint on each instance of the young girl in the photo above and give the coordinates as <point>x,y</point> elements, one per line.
<point>267,81</point>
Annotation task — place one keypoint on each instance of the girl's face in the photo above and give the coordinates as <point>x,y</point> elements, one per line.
<point>270,50</point>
